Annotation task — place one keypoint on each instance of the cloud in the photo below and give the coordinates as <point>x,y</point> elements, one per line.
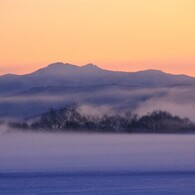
<point>87,109</point>
<point>178,101</point>
<point>47,152</point>
<point>109,99</point>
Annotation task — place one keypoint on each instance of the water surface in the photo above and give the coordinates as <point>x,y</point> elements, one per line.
<point>38,163</point>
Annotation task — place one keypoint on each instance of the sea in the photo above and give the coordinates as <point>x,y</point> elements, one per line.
<point>73,163</point>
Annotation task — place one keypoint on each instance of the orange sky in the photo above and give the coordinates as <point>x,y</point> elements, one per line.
<point>125,35</point>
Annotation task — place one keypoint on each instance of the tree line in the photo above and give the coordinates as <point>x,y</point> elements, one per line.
<point>70,119</point>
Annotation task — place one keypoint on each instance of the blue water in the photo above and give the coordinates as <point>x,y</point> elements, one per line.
<point>98,183</point>
<point>36,163</point>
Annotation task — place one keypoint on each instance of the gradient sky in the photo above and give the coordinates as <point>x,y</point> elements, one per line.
<point>125,35</point>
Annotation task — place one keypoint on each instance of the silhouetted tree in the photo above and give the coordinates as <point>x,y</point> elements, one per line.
<point>69,118</point>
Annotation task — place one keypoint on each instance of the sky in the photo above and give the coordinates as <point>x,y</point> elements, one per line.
<point>126,35</point>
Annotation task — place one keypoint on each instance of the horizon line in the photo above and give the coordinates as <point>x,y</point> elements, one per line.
<point>92,64</point>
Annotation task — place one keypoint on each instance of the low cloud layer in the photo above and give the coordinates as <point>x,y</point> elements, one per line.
<point>39,152</point>
<point>177,100</point>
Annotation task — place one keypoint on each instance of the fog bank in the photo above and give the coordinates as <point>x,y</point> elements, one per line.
<point>40,152</point>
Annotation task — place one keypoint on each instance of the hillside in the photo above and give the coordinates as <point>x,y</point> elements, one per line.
<point>71,75</point>
<point>59,84</point>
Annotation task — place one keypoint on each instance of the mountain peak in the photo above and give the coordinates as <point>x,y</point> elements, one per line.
<point>65,65</point>
<point>60,68</point>
<point>56,68</point>
<point>90,66</point>
<point>60,65</point>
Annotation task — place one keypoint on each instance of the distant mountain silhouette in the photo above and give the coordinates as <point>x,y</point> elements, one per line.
<point>59,84</point>
<point>60,74</point>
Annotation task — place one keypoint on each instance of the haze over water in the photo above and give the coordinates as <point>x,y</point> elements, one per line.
<point>96,163</point>
<point>39,152</point>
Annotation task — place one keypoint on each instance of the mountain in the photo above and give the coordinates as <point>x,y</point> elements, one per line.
<point>60,74</point>
<point>59,84</point>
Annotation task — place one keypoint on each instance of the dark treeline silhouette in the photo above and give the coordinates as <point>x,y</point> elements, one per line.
<point>70,119</point>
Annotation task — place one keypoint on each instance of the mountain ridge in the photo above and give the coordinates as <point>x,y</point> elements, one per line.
<point>66,74</point>
<point>59,85</point>
<point>57,65</point>
<point>90,65</point>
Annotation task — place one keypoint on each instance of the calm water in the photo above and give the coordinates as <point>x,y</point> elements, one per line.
<point>37,163</point>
